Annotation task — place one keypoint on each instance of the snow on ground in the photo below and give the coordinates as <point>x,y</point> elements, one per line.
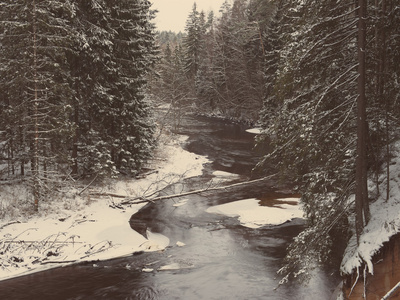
<point>384,222</point>
<point>95,230</point>
<point>221,177</point>
<point>222,174</point>
<point>179,164</point>
<point>252,215</point>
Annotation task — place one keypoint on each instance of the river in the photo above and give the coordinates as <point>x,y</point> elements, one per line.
<point>220,258</point>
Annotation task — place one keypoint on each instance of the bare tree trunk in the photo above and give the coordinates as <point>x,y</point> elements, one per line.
<point>362,205</point>
<point>382,94</point>
<point>36,182</point>
<point>22,142</point>
<point>75,142</point>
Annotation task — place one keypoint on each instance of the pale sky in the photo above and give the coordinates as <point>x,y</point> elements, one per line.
<point>172,14</point>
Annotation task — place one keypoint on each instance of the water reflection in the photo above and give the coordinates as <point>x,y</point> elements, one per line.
<point>274,199</point>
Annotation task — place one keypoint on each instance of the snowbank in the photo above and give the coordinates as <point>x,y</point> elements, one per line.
<point>252,215</point>
<point>257,130</point>
<point>96,232</point>
<point>220,177</point>
<point>384,223</point>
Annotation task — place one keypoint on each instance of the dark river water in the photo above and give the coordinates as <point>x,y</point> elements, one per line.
<point>220,260</point>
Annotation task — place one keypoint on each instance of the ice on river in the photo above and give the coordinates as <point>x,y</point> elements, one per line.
<point>180,203</point>
<point>175,266</point>
<point>156,241</point>
<point>257,130</point>
<point>252,215</point>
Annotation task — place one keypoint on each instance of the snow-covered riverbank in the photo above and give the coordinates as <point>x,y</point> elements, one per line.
<point>384,222</point>
<point>93,229</point>
<point>89,227</point>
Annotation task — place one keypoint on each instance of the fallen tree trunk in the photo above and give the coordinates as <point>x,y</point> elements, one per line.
<point>138,200</point>
<point>108,195</point>
<point>391,292</point>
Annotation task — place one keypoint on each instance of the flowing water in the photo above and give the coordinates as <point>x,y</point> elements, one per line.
<point>221,259</point>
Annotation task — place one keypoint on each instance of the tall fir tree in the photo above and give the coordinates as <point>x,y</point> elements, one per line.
<point>193,42</point>
<point>35,88</point>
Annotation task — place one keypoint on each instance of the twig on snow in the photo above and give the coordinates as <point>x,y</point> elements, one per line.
<point>10,223</point>
<point>86,187</point>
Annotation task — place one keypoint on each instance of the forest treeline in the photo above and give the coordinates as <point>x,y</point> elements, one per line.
<point>217,65</point>
<point>72,79</point>
<point>321,78</point>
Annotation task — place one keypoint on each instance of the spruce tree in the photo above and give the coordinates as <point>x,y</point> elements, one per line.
<point>134,56</point>
<point>193,42</point>
<point>34,82</point>
<point>92,70</point>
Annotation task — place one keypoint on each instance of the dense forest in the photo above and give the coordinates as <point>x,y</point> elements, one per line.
<point>72,78</point>
<point>322,80</point>
<point>320,77</point>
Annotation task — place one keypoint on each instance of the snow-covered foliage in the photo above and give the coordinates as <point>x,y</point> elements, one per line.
<point>309,114</point>
<point>72,78</point>
<point>384,222</point>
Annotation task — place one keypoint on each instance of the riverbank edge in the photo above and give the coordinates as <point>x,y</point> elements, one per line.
<point>48,227</point>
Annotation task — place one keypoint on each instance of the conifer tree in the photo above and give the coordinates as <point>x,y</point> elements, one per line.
<point>237,62</point>
<point>73,75</point>
<point>310,114</point>
<point>91,73</point>
<point>33,37</point>
<point>134,55</point>
<point>193,42</point>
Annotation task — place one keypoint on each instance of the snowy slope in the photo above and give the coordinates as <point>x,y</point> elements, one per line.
<point>97,231</point>
<point>384,223</point>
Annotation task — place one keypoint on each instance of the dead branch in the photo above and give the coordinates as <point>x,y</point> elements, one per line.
<point>57,262</point>
<point>107,195</point>
<point>144,175</point>
<point>10,223</point>
<point>208,189</point>
<point>149,192</point>
<point>106,245</point>
<point>39,242</point>
<point>86,187</point>
<point>15,238</point>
